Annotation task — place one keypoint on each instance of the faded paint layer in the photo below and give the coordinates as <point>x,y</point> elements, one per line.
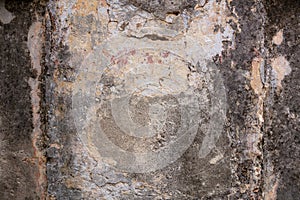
<point>141,85</point>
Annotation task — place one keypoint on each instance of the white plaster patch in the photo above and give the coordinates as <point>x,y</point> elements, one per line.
<point>278,38</point>
<point>281,68</point>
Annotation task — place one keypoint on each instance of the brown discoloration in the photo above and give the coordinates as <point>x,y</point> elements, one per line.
<point>35,43</point>
<point>86,25</point>
<point>255,82</point>
<point>83,8</point>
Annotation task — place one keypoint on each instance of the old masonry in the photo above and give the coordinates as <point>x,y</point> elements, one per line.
<point>158,99</point>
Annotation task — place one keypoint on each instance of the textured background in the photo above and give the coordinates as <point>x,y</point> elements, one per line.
<point>254,45</point>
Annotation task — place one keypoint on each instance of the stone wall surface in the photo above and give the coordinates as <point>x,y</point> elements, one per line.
<point>159,99</point>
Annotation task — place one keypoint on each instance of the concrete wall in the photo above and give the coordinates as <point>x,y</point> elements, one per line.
<point>132,99</point>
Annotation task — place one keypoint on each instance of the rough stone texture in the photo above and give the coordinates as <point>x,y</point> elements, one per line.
<point>282,107</point>
<point>20,163</point>
<point>113,51</point>
<point>162,8</point>
<point>94,93</point>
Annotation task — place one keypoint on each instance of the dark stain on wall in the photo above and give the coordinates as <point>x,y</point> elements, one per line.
<point>282,139</point>
<point>18,174</point>
<point>241,101</point>
<point>161,8</point>
<point>59,130</point>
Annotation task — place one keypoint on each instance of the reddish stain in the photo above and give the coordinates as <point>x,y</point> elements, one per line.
<point>159,61</point>
<point>132,52</point>
<point>149,59</point>
<point>112,59</point>
<point>165,54</point>
<point>122,61</point>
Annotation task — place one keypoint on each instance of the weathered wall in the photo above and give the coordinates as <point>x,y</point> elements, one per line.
<point>130,99</point>
<point>281,141</point>
<point>21,164</point>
